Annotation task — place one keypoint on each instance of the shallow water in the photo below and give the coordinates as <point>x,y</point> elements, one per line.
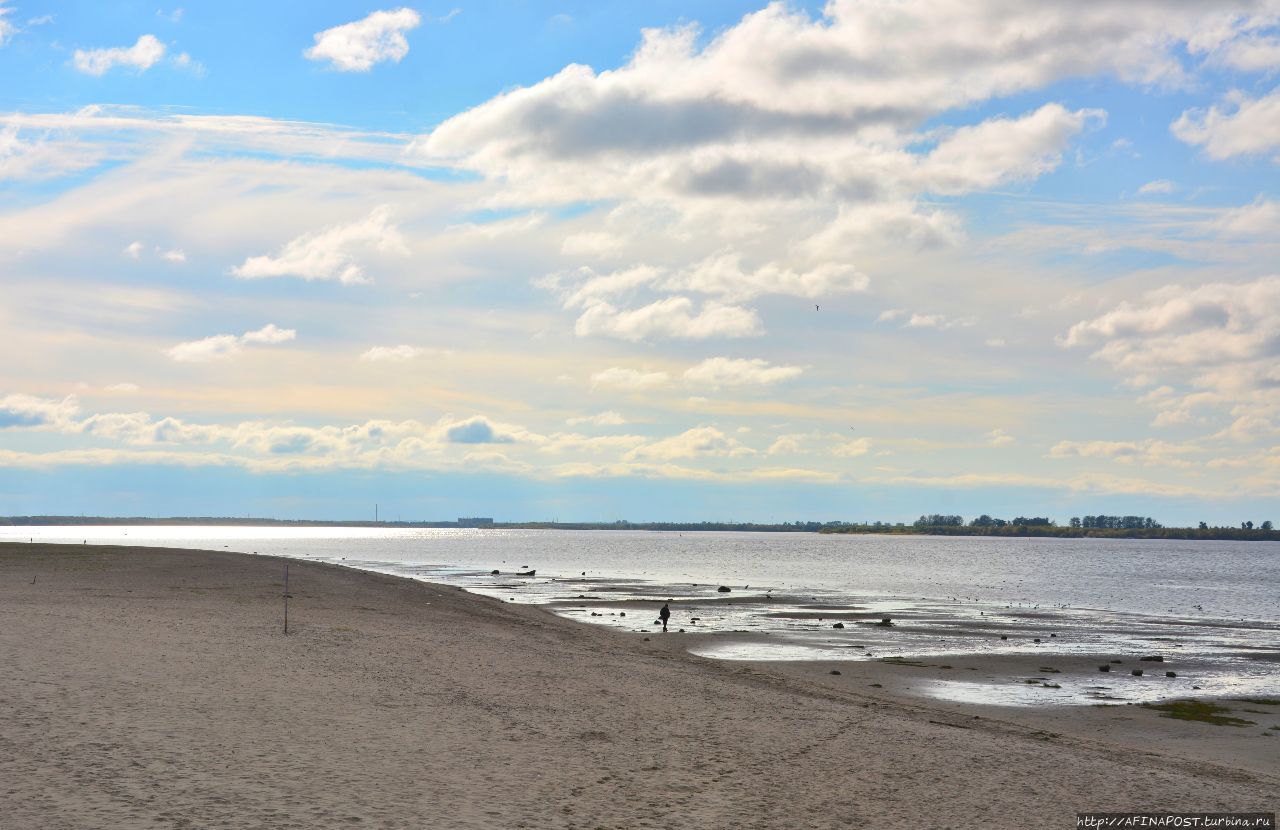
<point>1212,601</point>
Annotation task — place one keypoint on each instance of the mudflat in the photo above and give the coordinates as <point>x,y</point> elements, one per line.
<point>148,688</point>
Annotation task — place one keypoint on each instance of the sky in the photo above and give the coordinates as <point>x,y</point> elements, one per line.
<point>586,261</point>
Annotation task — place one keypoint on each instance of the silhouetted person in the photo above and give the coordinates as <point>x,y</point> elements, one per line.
<point>664,615</point>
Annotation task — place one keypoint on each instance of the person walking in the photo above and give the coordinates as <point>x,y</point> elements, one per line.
<point>664,615</point>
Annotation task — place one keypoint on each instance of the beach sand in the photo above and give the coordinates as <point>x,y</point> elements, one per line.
<point>154,688</point>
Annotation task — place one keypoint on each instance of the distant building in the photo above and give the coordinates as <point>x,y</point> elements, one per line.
<point>476,521</point>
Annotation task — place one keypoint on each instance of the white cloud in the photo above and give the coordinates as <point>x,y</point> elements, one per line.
<point>133,250</point>
<point>221,346</point>
<point>397,354</point>
<point>20,410</point>
<point>7,28</point>
<point>1219,335</point>
<point>671,317</point>
<point>915,320</point>
<point>1158,186</point>
<point>852,448</point>
<point>1245,126</point>
<point>141,56</point>
<point>189,64</point>
<point>216,347</point>
<point>1149,452</point>
<point>723,275</point>
<point>328,254</point>
<point>715,372</point>
<point>173,255</point>
<point>602,419</point>
<point>1001,150</point>
<point>357,46</point>
<point>1260,219</point>
<point>269,334</point>
<point>999,438</point>
<point>694,443</point>
<point>619,377</point>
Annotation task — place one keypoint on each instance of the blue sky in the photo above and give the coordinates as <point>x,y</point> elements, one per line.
<point>653,261</point>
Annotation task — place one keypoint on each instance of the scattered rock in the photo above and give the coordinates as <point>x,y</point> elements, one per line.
<point>1171,674</point>
<point>646,639</point>
<point>838,625</point>
<point>887,622</point>
<point>724,589</point>
<point>835,671</point>
<point>682,631</point>
<point>1004,636</point>
<point>1136,672</point>
<point>1036,640</point>
<point>622,613</point>
<point>1104,667</point>
<point>1053,635</point>
<point>494,572</point>
<point>1117,662</point>
<point>1151,658</point>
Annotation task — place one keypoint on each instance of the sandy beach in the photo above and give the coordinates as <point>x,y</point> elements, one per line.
<point>155,688</point>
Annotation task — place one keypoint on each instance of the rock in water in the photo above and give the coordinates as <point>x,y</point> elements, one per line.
<point>724,589</point>
<point>838,625</point>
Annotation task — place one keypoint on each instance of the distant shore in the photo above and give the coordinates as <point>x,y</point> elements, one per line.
<point>151,686</point>
<point>1052,531</point>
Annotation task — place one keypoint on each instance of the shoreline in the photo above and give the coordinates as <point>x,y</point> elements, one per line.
<point>1214,534</point>
<point>153,683</point>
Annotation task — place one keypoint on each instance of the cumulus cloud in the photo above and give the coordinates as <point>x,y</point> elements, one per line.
<point>852,448</point>
<point>670,317</point>
<point>720,276</point>
<point>602,419</point>
<point>19,410</point>
<point>723,275</point>
<point>715,372</point>
<point>783,105</point>
<point>1158,186</point>
<point>1218,335</point>
<point>1241,126</point>
<point>133,250</point>
<point>141,56</point>
<point>694,443</point>
<point>477,430</point>
<point>221,346</point>
<point>396,354</point>
<point>999,438</point>
<point>1002,150</point>
<point>357,46</point>
<point>1148,452</point>
<point>916,320</point>
<point>619,377</point>
<point>1260,219</point>
<point>328,254</point>
<point>269,334</point>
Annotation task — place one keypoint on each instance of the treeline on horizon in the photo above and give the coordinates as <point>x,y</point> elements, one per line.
<point>1105,527</point>
<point>934,524</point>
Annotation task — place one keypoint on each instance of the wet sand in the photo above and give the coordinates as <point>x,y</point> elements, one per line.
<point>154,688</point>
